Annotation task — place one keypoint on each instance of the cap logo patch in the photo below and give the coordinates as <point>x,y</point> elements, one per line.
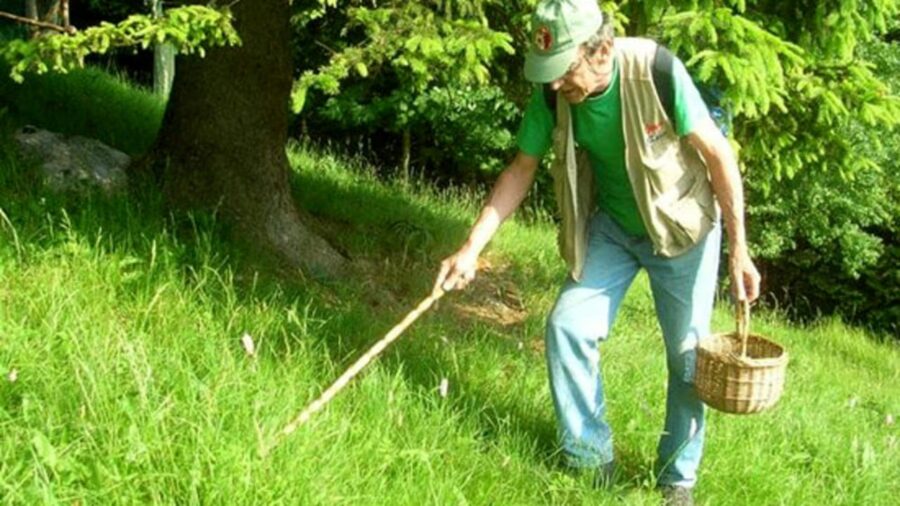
<point>543,39</point>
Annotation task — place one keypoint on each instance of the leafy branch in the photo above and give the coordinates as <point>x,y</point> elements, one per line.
<point>417,46</point>
<point>189,29</point>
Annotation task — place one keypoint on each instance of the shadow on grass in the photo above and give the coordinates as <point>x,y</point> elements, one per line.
<point>365,224</point>
<point>365,220</point>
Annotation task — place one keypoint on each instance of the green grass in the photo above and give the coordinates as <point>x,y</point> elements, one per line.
<point>85,102</point>
<point>124,328</point>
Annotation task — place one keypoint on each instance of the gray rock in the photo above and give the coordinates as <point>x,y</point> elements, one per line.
<point>73,163</point>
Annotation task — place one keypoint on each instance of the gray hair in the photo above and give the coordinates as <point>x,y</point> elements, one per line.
<point>603,34</point>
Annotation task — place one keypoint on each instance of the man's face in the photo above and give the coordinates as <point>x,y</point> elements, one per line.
<point>588,74</point>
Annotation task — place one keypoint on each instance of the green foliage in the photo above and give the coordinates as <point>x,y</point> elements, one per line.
<point>397,69</point>
<point>189,29</point>
<point>736,54</point>
<point>311,11</point>
<point>790,71</point>
<point>823,219</point>
<point>469,126</point>
<point>412,43</point>
<point>830,243</point>
<point>792,89</point>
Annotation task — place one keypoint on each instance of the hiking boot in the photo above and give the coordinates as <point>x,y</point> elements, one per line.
<point>674,495</point>
<point>606,475</point>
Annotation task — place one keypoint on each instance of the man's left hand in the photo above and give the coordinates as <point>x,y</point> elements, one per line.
<point>744,276</point>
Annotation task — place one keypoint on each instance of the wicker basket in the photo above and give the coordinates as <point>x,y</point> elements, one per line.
<point>740,372</point>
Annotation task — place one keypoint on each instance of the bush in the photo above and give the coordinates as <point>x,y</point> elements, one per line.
<point>827,245</point>
<point>830,244</point>
<point>460,133</point>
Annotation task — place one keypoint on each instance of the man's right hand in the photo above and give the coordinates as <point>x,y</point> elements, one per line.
<point>457,270</point>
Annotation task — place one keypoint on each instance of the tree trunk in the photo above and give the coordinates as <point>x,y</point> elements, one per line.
<point>31,12</point>
<point>163,69</point>
<point>406,154</point>
<point>222,143</point>
<point>48,10</point>
<point>163,61</point>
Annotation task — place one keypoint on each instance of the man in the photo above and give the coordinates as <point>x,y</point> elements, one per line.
<point>636,189</point>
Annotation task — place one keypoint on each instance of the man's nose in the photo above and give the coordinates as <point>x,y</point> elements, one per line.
<point>556,85</point>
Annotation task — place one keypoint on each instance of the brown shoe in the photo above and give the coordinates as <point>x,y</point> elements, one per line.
<point>674,495</point>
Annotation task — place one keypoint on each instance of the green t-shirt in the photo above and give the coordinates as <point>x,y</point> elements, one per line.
<point>598,129</point>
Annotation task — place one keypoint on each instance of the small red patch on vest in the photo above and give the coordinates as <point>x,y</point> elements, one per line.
<point>653,128</point>
<point>543,39</point>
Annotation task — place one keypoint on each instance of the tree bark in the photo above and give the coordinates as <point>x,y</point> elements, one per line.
<point>163,69</point>
<point>163,60</point>
<point>48,10</point>
<point>406,154</point>
<point>31,12</point>
<point>222,143</point>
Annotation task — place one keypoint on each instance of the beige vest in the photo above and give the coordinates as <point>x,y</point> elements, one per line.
<point>669,178</point>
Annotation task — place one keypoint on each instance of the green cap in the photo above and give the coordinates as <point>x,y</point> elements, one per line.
<point>558,28</point>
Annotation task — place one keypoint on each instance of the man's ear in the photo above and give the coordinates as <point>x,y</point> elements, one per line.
<point>602,53</point>
<point>605,50</point>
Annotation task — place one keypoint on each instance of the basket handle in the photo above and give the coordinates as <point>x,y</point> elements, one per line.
<point>743,324</point>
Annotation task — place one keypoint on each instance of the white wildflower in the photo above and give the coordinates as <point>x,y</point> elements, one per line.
<point>249,346</point>
<point>445,386</point>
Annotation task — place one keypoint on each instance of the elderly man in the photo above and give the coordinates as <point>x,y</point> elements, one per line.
<point>638,186</point>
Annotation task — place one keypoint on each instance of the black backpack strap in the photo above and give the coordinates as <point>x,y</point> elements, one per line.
<point>663,63</point>
<point>550,98</point>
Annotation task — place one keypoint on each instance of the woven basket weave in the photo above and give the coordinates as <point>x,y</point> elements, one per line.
<point>739,372</point>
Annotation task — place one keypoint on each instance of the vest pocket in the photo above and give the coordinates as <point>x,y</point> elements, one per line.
<point>689,217</point>
<point>664,170</point>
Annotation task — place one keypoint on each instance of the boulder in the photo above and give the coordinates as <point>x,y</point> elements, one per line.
<point>73,163</point>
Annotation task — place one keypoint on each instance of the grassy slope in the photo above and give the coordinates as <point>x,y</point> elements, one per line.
<point>132,386</point>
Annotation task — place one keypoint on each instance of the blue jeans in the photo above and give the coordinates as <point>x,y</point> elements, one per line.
<point>683,293</point>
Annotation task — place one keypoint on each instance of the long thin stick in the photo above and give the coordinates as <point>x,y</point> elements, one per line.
<point>357,366</point>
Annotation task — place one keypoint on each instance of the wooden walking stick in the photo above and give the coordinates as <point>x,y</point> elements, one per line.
<point>354,369</point>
